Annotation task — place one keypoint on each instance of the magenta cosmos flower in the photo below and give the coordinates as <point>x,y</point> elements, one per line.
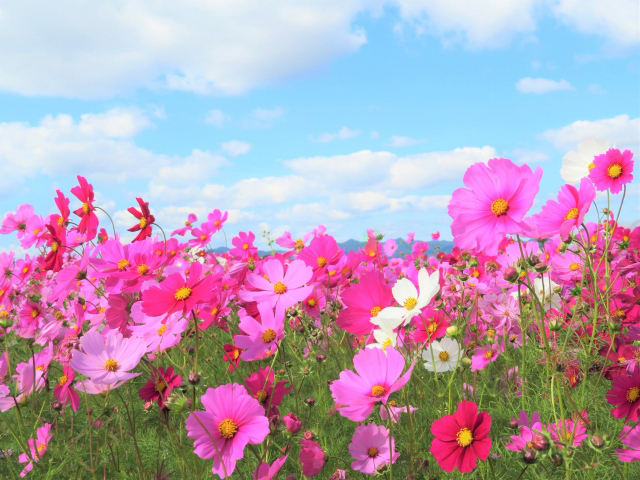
<point>626,394</point>
<point>611,170</point>
<point>177,293</point>
<point>260,338</point>
<point>160,386</point>
<point>107,360</point>
<point>379,375</point>
<point>145,219</point>
<point>311,457</point>
<point>370,449</point>
<point>630,437</point>
<point>37,447</point>
<point>232,419</point>
<point>498,198</point>
<point>268,472</point>
<point>280,289</point>
<point>461,438</point>
<point>568,212</point>
<point>88,219</point>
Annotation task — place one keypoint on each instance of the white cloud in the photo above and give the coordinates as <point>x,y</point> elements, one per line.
<point>399,141</point>
<point>425,169</point>
<point>262,117</point>
<point>596,89</point>
<point>621,130</point>
<point>616,20</point>
<point>217,118</point>
<point>236,147</point>
<point>97,145</point>
<point>311,213</point>
<point>541,85</point>
<point>342,134</point>
<point>522,156</point>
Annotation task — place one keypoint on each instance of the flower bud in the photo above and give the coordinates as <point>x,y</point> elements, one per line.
<point>597,441</point>
<point>557,459</point>
<point>555,326</point>
<point>513,423</point>
<point>529,455</point>
<point>291,423</point>
<point>452,331</point>
<point>57,406</point>
<point>320,358</point>
<point>510,274</point>
<point>310,401</point>
<point>308,435</point>
<point>540,267</point>
<point>463,277</point>
<point>465,362</point>
<point>539,442</point>
<point>193,378</point>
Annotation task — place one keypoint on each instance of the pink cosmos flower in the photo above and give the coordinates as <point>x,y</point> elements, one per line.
<point>35,233</point>
<point>321,252</point>
<point>312,458</point>
<point>260,337</point>
<point>63,391</point>
<point>379,375</point>
<point>410,237</point>
<point>232,419</point>
<point>287,241</point>
<point>291,423</point>
<point>568,211</point>
<point>266,472</point>
<point>435,236</point>
<point>177,293</point>
<point>145,219</point>
<point>29,379</point>
<point>88,219</point>
<point>243,244</point>
<point>4,365</point>
<point>569,431</point>
<point>202,236</point>
<point>370,448</point>
<point>17,221</point>
<point>364,300</point>
<point>160,386</point>
<point>38,447</point>
<point>626,394</point>
<point>485,355</point>
<point>217,219</point>
<point>390,247</point>
<point>611,170</point>
<point>92,388</point>
<point>188,225</point>
<point>107,360</point>
<point>396,411</point>
<point>498,198</point>
<point>461,438</point>
<point>280,289</point>
<point>630,437</point>
<point>53,260</point>
<point>523,440</point>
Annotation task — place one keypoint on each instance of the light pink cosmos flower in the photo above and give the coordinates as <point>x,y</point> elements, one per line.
<point>370,449</point>
<point>630,437</point>
<point>17,221</point>
<point>260,337</point>
<point>568,431</point>
<point>29,379</point>
<point>287,241</point>
<point>188,225</point>
<point>266,472</point>
<point>37,447</point>
<point>390,247</point>
<point>280,289</point>
<point>498,198</point>
<point>243,244</point>
<point>379,375</point>
<point>395,411</point>
<point>4,365</point>
<point>611,170</point>
<point>232,419</point>
<point>107,360</point>
<point>567,212</point>
<point>92,388</point>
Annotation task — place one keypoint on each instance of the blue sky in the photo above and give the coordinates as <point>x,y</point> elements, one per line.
<point>352,114</point>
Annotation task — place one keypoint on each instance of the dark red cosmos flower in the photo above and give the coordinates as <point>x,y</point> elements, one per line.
<point>62,203</point>
<point>145,220</point>
<point>88,219</point>
<point>53,260</point>
<point>461,438</point>
<point>261,385</point>
<point>232,355</point>
<point>160,386</point>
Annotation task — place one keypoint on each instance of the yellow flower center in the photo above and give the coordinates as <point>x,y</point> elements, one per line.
<point>280,288</point>
<point>321,261</point>
<point>491,333</point>
<point>633,394</point>
<point>228,428</point>
<point>236,354</point>
<point>143,222</point>
<point>574,266</point>
<point>392,403</point>
<point>377,391</point>
<point>204,237</point>
<point>410,303</point>
<point>375,311</point>
<point>214,311</point>
<point>161,385</point>
<point>123,264</point>
<point>591,166</point>
<point>386,343</point>
<point>261,396</point>
<point>60,221</point>
<point>162,330</point>
<point>373,451</point>
<point>245,246</point>
<point>443,356</point>
<point>62,380</point>
<point>102,310</point>
<point>372,254</point>
<point>187,224</point>
<point>311,302</point>
<point>85,208</point>
<point>614,171</point>
<point>36,231</point>
<point>216,223</point>
<point>54,246</point>
<point>182,293</point>
<point>111,365</point>
<point>488,355</point>
<point>299,245</point>
<point>464,437</point>
<point>269,335</point>
<point>499,207</point>
<point>143,269</point>
<point>3,313</point>
<point>572,214</point>
<point>41,447</point>
<point>34,313</point>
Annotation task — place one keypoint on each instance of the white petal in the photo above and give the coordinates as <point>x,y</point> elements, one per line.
<point>404,289</point>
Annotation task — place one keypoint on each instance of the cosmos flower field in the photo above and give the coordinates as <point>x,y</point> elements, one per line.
<point>516,355</point>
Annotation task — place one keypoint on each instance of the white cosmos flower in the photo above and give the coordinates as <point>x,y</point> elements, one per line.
<point>405,293</point>
<point>545,290</point>
<point>576,165</point>
<point>385,337</point>
<point>446,354</point>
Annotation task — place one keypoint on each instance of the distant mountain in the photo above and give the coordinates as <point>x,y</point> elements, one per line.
<point>354,245</point>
